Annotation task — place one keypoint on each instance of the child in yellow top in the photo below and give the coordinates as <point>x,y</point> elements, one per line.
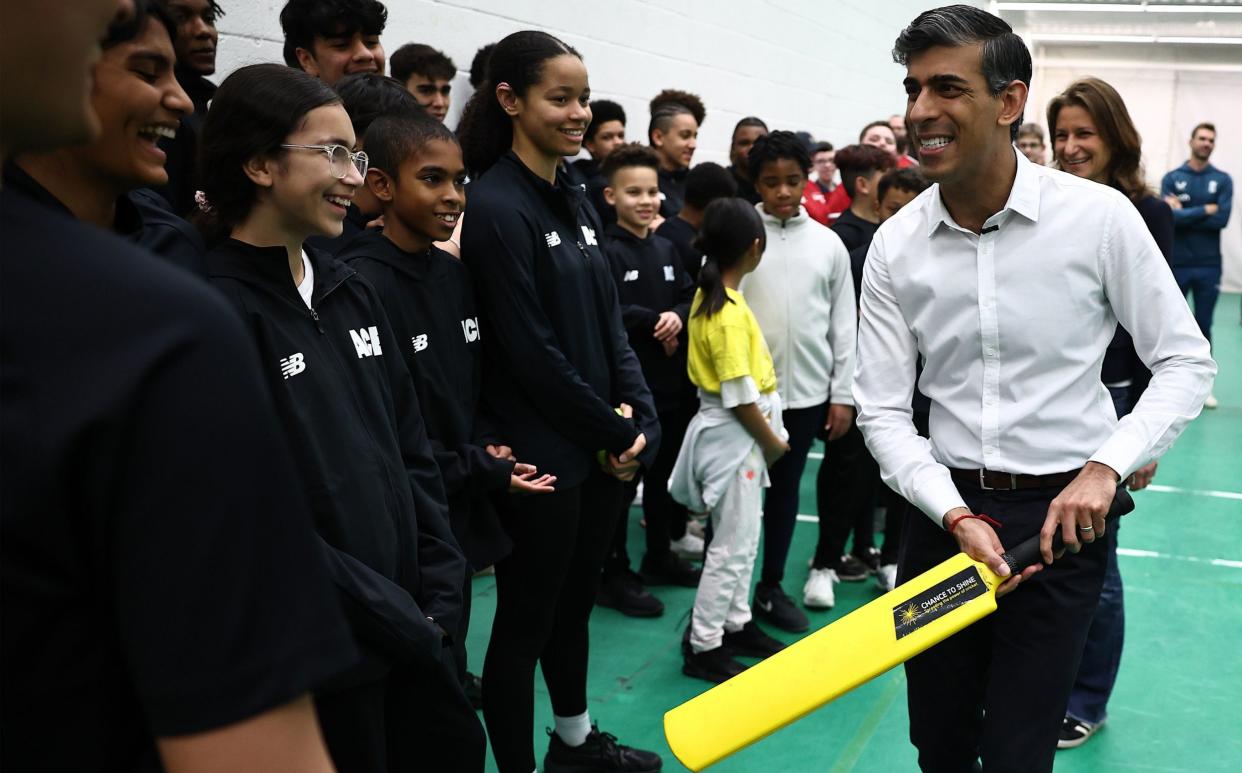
<point>729,445</point>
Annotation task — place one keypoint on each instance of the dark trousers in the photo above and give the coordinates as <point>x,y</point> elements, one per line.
<point>896,509</point>
<point>997,691</point>
<point>1204,283</point>
<point>780,506</point>
<point>665,517</point>
<point>417,718</point>
<point>545,590</point>
<point>845,491</point>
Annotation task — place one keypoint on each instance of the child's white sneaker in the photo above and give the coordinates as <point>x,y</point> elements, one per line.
<point>689,546</point>
<point>818,592</point>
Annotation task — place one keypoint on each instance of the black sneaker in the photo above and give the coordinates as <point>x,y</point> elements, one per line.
<point>473,687</point>
<point>668,569</point>
<point>600,752</point>
<point>714,666</point>
<point>1075,733</point>
<point>752,642</point>
<point>773,605</point>
<point>870,558</point>
<point>851,569</point>
<point>625,593</point>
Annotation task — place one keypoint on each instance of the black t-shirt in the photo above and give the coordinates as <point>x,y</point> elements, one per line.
<point>160,570</point>
<point>853,230</point>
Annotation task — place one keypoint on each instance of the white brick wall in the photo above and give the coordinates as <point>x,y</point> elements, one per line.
<point>812,65</point>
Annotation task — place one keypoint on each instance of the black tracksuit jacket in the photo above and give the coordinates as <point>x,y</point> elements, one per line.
<point>650,280</point>
<point>349,408</point>
<point>557,360</point>
<point>430,303</point>
<point>672,191</point>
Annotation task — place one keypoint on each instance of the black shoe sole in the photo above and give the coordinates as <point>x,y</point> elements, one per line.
<point>781,624</point>
<point>702,673</point>
<point>749,652</point>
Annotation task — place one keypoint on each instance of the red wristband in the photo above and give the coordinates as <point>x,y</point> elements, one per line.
<point>976,516</point>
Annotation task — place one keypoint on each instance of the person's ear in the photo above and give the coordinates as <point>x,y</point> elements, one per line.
<point>260,170</point>
<point>1013,103</point>
<point>380,185</point>
<point>307,61</point>
<point>509,101</point>
<point>610,196</point>
<point>657,138</point>
<point>862,186</point>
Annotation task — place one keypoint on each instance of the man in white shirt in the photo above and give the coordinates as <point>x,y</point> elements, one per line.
<point>1009,280</point>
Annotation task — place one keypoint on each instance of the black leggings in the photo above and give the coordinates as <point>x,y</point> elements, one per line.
<point>545,590</point>
<point>780,507</point>
<point>845,491</point>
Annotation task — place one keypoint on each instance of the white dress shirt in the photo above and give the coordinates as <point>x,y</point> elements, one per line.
<point>1013,324</point>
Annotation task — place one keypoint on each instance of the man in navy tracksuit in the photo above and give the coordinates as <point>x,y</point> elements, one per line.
<point>1201,197</point>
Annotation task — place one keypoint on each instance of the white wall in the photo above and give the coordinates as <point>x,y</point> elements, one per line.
<point>812,65</point>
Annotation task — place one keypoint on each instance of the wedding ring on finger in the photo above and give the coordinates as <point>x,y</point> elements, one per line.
<point>1086,528</point>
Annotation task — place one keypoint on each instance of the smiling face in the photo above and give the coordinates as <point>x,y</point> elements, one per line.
<point>196,34</point>
<point>429,193</point>
<point>743,140</point>
<point>608,137</point>
<point>676,146</point>
<point>552,116</point>
<point>336,56</point>
<point>139,102</point>
<point>881,137</point>
<point>1078,145</point>
<point>432,93</point>
<point>960,129</point>
<point>635,193</point>
<point>298,184</point>
<point>780,184</point>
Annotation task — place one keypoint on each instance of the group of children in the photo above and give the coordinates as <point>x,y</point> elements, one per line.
<point>620,319</point>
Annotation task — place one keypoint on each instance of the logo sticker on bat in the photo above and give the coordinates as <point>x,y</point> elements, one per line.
<point>937,601</point>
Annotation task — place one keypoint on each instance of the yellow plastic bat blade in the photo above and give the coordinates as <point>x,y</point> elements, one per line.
<point>831,662</point>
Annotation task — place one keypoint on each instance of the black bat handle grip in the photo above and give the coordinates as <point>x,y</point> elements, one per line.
<point>1027,553</point>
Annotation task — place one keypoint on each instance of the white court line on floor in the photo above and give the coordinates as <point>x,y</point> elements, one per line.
<point>1129,552</point>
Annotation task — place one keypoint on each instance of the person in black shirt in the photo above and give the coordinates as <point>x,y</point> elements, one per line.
<point>417,175</point>
<point>138,102</point>
<point>745,133</point>
<point>350,411</point>
<point>861,167</point>
<point>604,134</point>
<point>164,605</point>
<point>704,184</point>
<point>655,295</point>
<point>674,134</point>
<point>564,387</point>
<point>329,39</point>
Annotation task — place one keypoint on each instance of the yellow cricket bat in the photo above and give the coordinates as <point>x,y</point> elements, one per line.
<point>834,660</point>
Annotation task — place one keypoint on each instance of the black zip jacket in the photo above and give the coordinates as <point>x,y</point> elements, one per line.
<point>355,222</point>
<point>682,235</point>
<point>672,191</point>
<point>745,188</point>
<point>854,231</point>
<point>650,281</point>
<point>142,217</point>
<point>348,406</point>
<point>430,304</point>
<point>182,161</point>
<point>556,357</point>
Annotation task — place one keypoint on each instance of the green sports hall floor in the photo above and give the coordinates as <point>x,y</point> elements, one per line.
<point>1178,701</point>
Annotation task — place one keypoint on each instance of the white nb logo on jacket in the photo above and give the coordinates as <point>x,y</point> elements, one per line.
<point>552,239</point>
<point>367,342</point>
<point>630,276</point>
<point>292,365</point>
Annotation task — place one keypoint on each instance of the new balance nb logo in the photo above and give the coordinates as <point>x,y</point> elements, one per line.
<point>470,329</point>
<point>367,342</point>
<point>553,238</point>
<point>420,342</point>
<point>1179,184</point>
<point>589,235</point>
<point>669,275</point>
<point>630,276</point>
<point>292,365</point>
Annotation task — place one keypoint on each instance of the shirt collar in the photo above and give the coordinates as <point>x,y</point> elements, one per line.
<point>1023,198</point>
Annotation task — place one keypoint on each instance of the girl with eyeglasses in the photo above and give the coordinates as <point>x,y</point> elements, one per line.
<point>277,167</point>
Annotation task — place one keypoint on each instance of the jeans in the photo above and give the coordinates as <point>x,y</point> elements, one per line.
<point>1204,282</point>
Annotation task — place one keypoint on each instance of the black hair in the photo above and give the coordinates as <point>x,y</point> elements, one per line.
<point>478,65</point>
<point>421,59</point>
<point>603,111</point>
<point>821,147</point>
<point>631,154</point>
<point>749,120</point>
<point>253,112</point>
<point>669,104</point>
<point>874,124</point>
<point>369,95</point>
<point>392,138</point>
<point>856,161</point>
<point>214,11</point>
<point>486,131</point>
<point>730,226</point>
<point>1005,57</point>
<point>302,20</point>
<point>707,182</point>
<point>775,146</point>
<point>126,28</point>
<point>911,180</point>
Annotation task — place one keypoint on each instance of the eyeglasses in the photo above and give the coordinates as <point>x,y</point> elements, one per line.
<point>339,158</point>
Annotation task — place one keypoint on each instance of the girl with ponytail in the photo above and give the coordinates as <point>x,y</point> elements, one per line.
<point>562,386</point>
<point>736,436</point>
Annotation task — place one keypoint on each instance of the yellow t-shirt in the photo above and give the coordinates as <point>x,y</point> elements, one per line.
<point>728,345</point>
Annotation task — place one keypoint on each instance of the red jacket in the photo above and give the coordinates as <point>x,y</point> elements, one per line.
<point>824,207</point>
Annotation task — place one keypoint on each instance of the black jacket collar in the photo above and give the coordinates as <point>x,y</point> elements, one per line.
<point>197,88</point>
<point>615,231</point>
<point>127,221</point>
<point>268,268</point>
<point>374,245</point>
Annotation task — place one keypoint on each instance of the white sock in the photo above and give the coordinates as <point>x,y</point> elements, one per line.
<point>573,730</point>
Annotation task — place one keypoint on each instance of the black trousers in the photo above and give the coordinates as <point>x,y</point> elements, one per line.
<point>545,590</point>
<point>845,492</point>
<point>780,504</point>
<point>417,718</point>
<point>997,691</point>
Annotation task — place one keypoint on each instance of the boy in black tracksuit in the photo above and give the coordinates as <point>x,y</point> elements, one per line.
<point>347,403</point>
<point>655,295</point>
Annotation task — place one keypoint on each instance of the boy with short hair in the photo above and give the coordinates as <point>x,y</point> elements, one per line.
<point>704,184</point>
<point>815,196</point>
<point>655,295</point>
<point>604,134</point>
<point>861,167</point>
<point>332,39</point>
<point>428,74</point>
